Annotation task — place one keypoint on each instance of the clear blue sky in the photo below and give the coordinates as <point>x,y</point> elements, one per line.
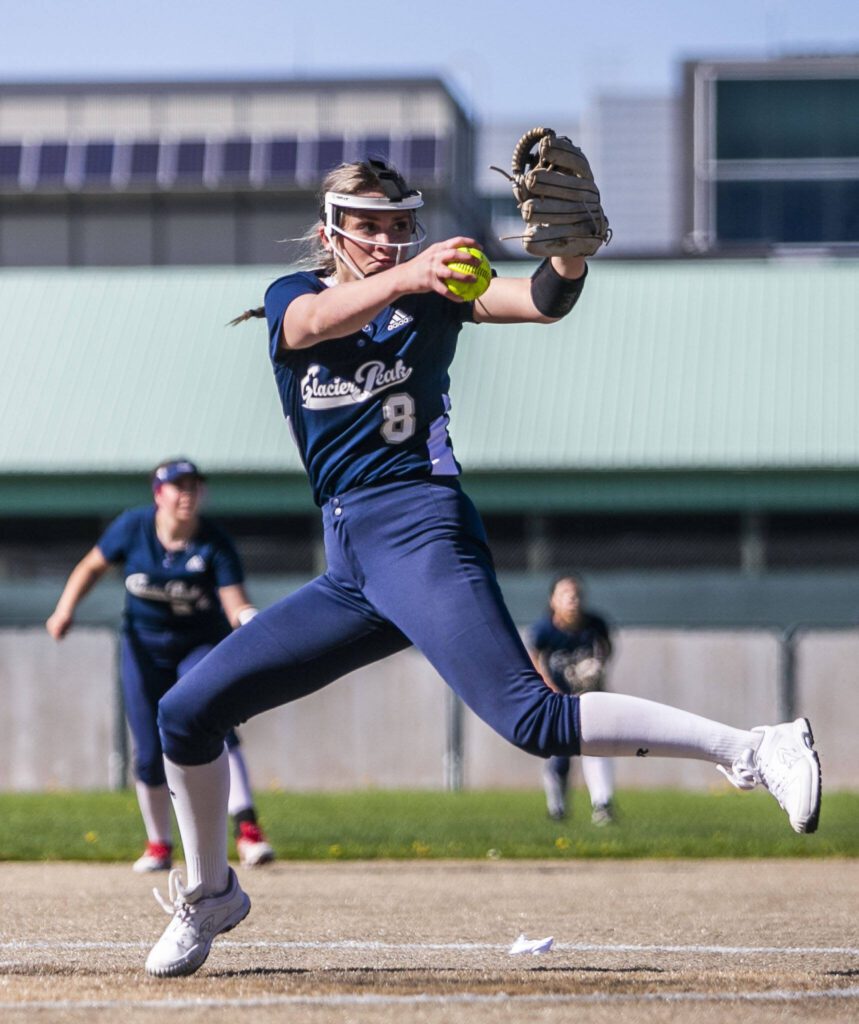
<point>505,59</point>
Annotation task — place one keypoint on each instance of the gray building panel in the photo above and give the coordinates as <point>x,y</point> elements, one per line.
<point>636,160</point>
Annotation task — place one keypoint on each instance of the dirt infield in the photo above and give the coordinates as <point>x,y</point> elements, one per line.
<point>429,941</point>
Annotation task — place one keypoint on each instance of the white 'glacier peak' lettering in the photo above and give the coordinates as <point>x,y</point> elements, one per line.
<point>370,379</point>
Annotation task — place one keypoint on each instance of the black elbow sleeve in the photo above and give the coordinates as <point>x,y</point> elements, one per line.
<point>553,295</point>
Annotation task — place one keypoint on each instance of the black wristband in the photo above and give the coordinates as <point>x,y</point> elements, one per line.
<point>552,294</point>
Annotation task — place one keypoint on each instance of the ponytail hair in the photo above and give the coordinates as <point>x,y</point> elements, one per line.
<point>247,315</point>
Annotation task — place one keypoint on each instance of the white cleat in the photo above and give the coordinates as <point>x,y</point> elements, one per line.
<point>602,815</point>
<point>786,763</point>
<point>197,919</point>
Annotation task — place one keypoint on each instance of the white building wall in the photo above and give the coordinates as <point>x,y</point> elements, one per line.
<point>25,118</point>
<point>114,114</point>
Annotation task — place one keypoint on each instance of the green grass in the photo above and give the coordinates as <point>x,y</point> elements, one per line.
<point>473,825</point>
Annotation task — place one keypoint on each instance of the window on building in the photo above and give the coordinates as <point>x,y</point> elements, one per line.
<point>375,146</point>
<point>282,159</point>
<point>190,160</point>
<point>790,212</point>
<point>98,161</point>
<point>787,119</point>
<point>422,153</point>
<point>52,162</point>
<point>236,160</point>
<point>775,148</point>
<point>10,163</point>
<point>329,153</point>
<point>143,165</point>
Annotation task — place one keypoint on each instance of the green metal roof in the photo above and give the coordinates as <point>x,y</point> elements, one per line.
<point>112,370</point>
<point>665,367</point>
<point>673,366</point>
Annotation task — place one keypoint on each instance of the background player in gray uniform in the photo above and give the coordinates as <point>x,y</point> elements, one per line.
<point>360,350</point>
<point>185,590</point>
<point>571,647</point>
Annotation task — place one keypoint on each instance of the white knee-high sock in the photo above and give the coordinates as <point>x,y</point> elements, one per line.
<point>614,725</point>
<point>200,794</point>
<point>241,798</point>
<point>599,779</point>
<point>154,804</point>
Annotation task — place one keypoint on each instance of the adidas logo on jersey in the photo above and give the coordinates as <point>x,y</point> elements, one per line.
<point>196,563</point>
<point>398,319</point>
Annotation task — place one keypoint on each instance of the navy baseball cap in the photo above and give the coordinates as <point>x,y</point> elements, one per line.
<point>170,471</point>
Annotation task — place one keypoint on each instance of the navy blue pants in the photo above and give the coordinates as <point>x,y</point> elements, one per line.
<point>408,564</point>
<point>150,663</point>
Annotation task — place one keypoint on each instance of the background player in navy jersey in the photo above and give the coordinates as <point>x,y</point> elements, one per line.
<point>571,647</point>
<point>360,348</point>
<point>184,591</point>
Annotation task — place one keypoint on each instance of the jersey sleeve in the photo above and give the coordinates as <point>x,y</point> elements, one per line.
<point>455,312</point>
<point>226,563</point>
<point>277,299</point>
<point>535,636</point>
<point>114,542</point>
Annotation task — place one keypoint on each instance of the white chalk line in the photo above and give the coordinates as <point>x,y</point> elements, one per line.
<point>452,947</point>
<point>424,999</point>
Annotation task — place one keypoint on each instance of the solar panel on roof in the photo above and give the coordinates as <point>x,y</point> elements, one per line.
<point>10,162</point>
<point>98,160</point>
<point>375,146</point>
<point>52,161</point>
<point>329,153</point>
<point>144,159</point>
<point>236,159</point>
<point>422,153</point>
<point>190,159</point>
<point>282,158</point>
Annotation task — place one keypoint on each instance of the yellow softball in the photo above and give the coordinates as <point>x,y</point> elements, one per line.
<point>470,290</point>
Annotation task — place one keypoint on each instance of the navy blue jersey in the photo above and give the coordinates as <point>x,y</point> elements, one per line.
<point>172,590</point>
<point>372,406</point>
<point>562,651</point>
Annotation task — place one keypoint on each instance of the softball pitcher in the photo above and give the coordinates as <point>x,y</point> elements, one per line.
<point>360,347</point>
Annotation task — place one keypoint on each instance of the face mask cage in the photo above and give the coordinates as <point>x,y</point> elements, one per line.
<point>396,198</point>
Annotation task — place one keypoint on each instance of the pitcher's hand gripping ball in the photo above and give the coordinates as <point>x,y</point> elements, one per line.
<point>470,290</point>
<point>557,196</point>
